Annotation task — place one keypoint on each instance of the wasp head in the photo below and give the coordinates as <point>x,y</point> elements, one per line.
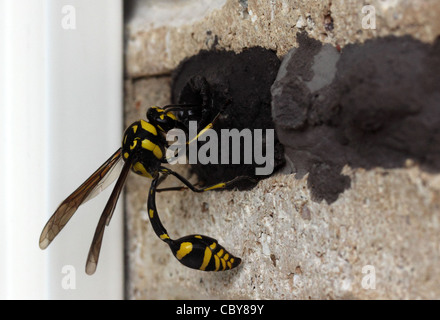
<point>163,119</point>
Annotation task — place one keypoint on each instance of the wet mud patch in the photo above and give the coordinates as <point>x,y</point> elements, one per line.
<point>375,104</point>
<point>237,87</point>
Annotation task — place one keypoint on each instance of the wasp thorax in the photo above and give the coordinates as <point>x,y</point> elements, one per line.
<point>144,147</point>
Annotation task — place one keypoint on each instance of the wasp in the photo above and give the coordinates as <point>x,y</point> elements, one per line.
<point>143,151</point>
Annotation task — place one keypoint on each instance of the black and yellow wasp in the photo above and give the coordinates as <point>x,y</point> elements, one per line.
<point>143,151</point>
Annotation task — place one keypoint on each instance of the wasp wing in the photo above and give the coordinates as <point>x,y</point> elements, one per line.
<point>107,180</point>
<point>97,182</point>
<point>95,248</point>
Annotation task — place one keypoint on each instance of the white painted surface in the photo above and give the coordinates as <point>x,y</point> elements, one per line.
<point>60,119</point>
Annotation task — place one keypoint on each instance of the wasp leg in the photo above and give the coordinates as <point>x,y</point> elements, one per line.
<point>200,133</point>
<point>181,188</point>
<point>221,185</point>
<point>194,251</point>
<point>208,126</point>
<point>180,107</point>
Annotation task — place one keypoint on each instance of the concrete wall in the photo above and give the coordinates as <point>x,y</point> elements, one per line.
<point>376,234</point>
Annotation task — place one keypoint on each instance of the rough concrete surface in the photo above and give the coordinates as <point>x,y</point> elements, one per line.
<point>384,226</point>
<point>160,34</point>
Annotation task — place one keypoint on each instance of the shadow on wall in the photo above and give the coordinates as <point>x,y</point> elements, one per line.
<point>375,104</point>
